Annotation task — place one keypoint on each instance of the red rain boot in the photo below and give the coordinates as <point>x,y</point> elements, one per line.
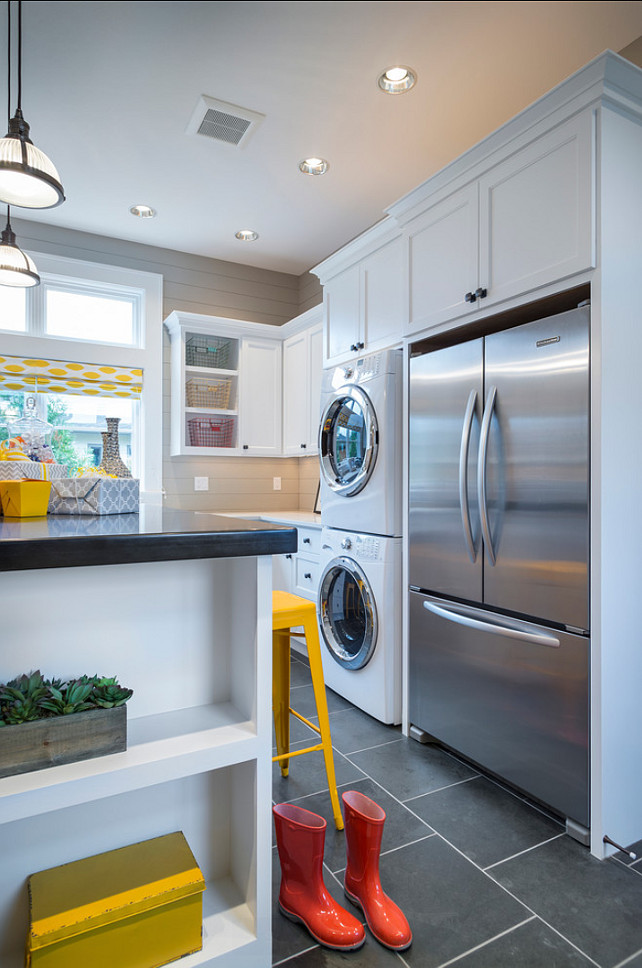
<point>364,821</point>
<point>300,836</point>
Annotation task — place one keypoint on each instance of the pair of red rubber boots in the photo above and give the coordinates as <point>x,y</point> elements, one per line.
<point>300,837</point>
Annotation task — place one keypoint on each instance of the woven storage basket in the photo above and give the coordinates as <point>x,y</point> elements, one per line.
<point>206,393</point>
<point>208,351</point>
<point>208,432</point>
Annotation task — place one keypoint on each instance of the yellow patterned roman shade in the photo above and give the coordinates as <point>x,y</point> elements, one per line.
<point>58,376</point>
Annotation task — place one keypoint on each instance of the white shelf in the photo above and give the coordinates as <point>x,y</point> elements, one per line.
<point>209,371</point>
<point>210,410</point>
<point>228,927</point>
<point>162,747</point>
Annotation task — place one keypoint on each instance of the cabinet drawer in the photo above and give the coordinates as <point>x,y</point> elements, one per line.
<point>309,541</point>
<point>307,577</point>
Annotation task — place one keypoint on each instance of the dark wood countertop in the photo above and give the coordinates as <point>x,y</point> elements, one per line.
<point>156,534</point>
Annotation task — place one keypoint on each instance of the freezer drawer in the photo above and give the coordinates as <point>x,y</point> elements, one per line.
<point>511,696</point>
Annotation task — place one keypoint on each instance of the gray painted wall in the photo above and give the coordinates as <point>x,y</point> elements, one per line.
<point>197,284</point>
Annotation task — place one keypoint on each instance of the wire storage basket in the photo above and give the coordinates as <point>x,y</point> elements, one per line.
<point>211,351</point>
<point>213,394</point>
<point>209,432</point>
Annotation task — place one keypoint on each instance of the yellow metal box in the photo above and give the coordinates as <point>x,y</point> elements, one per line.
<point>136,907</point>
<point>24,499</point>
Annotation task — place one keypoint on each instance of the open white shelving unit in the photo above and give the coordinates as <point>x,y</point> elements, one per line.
<point>193,639</point>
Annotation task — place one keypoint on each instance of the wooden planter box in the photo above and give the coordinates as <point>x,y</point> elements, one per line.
<point>62,739</point>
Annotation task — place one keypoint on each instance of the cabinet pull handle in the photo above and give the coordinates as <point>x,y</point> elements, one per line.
<point>246,446</point>
<point>307,575</point>
<point>304,446</point>
<point>470,297</point>
<point>481,293</point>
<point>306,541</point>
<point>354,347</point>
<point>360,346</point>
<point>288,557</point>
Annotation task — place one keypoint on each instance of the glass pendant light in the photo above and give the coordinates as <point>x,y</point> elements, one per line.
<point>27,177</point>
<point>16,268</point>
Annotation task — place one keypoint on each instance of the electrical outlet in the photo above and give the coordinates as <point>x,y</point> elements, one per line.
<point>201,484</point>
<point>276,483</point>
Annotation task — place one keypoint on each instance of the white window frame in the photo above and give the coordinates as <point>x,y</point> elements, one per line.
<point>147,288</point>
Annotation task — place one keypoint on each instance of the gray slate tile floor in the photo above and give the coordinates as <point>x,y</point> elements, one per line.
<point>486,879</point>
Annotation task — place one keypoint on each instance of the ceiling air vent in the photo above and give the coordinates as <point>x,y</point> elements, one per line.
<point>223,122</point>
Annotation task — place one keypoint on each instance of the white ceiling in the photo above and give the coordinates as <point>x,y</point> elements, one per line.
<point>109,89</point>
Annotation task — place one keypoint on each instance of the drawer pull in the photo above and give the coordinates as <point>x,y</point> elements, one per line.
<point>307,575</point>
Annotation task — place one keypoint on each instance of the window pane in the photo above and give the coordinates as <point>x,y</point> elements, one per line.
<point>12,309</point>
<point>98,319</point>
<point>78,422</point>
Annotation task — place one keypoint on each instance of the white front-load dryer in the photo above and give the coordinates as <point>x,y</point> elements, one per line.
<point>359,610</point>
<point>360,445</point>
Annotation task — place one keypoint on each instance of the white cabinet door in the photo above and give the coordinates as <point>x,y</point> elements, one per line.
<point>342,310</point>
<point>315,374</point>
<point>260,398</point>
<point>443,260</point>
<point>536,213</point>
<point>382,280</point>
<point>282,573</point>
<point>296,404</point>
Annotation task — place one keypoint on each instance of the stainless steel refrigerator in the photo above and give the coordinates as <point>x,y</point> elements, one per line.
<point>498,561</point>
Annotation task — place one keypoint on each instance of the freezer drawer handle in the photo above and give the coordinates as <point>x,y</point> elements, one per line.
<point>463,475</point>
<point>537,638</point>
<point>481,473</point>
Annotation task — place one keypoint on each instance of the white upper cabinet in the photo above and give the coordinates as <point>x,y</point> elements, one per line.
<point>302,370</point>
<point>535,213</point>
<point>363,297</point>
<point>226,387</point>
<point>260,398</point>
<point>524,223</point>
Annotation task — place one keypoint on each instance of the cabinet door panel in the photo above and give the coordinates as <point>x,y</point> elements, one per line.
<point>260,404</point>
<point>315,363</point>
<point>536,213</point>
<point>295,395</point>
<point>342,304</point>
<point>442,251</point>
<point>383,296</point>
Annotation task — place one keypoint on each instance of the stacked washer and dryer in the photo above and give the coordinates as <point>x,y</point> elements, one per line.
<point>359,603</point>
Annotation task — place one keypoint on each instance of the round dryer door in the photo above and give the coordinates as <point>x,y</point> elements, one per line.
<point>348,441</point>
<point>348,613</point>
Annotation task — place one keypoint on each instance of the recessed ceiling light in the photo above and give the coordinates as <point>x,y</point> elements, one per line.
<point>314,166</point>
<point>143,211</point>
<point>246,235</point>
<point>397,80</point>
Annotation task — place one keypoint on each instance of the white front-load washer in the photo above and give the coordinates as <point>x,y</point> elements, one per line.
<point>359,611</point>
<point>360,445</point>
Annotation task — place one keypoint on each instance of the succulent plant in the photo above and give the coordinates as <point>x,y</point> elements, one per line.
<point>108,693</point>
<point>31,687</point>
<point>21,711</point>
<point>71,698</point>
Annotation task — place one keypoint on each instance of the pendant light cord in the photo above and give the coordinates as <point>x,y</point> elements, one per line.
<point>8,60</point>
<point>19,55</point>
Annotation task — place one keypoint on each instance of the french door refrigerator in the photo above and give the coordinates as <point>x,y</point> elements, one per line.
<point>498,554</point>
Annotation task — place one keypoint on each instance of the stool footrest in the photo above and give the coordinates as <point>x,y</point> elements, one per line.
<point>287,756</point>
<point>304,720</point>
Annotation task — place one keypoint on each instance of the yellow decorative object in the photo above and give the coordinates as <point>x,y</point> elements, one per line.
<point>24,499</point>
<point>60,376</point>
<point>136,907</point>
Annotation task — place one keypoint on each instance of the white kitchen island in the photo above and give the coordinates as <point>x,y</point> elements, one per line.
<point>181,612</point>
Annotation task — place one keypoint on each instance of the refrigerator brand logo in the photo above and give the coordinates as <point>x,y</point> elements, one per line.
<point>547,342</point>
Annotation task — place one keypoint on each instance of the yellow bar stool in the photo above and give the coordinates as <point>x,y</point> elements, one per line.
<point>290,612</point>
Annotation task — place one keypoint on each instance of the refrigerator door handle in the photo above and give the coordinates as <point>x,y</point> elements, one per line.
<point>481,473</point>
<point>451,615</point>
<point>463,475</point>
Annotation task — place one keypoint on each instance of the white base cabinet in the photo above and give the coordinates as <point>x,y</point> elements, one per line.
<point>193,639</point>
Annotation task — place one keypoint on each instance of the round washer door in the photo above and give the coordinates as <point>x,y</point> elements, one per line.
<point>348,614</point>
<point>348,441</point>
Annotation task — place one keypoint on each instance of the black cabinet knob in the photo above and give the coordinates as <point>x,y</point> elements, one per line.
<point>246,446</point>
<point>288,557</point>
<point>304,446</point>
<point>306,541</point>
<point>481,293</point>
<point>354,347</point>
<point>307,575</point>
<point>470,297</point>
